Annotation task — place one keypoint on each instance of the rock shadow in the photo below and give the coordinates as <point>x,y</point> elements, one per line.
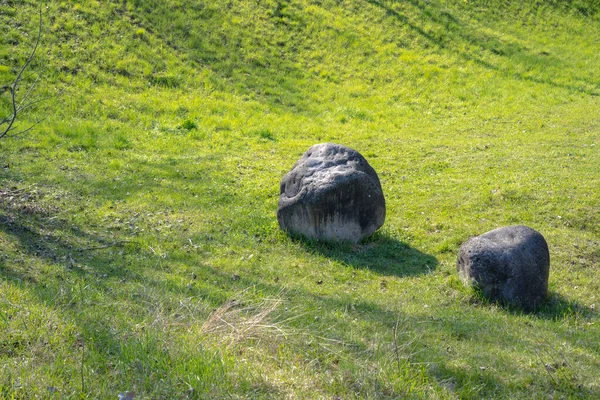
<point>380,253</point>
<point>555,307</point>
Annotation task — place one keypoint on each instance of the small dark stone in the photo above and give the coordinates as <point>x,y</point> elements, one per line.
<point>509,265</point>
<point>333,194</point>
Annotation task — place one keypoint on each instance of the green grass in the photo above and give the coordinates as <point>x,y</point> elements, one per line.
<point>139,249</point>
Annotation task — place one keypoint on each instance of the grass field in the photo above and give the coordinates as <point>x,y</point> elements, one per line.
<point>139,249</point>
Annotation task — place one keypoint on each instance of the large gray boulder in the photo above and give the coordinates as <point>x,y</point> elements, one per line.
<point>332,194</point>
<point>509,265</point>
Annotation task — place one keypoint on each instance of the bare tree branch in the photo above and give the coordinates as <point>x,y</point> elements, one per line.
<point>19,106</point>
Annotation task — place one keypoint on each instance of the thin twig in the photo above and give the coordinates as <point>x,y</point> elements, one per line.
<point>28,93</point>
<point>568,364</point>
<point>82,362</point>
<point>82,342</point>
<point>36,123</point>
<point>395,332</point>
<point>545,367</point>
<point>16,108</point>
<point>34,102</point>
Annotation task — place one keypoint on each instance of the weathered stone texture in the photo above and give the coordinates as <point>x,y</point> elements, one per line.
<point>333,194</point>
<point>510,265</point>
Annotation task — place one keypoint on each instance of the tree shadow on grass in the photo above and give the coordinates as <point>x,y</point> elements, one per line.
<point>75,265</point>
<point>59,242</point>
<point>418,341</point>
<point>449,33</point>
<point>555,307</point>
<point>380,253</point>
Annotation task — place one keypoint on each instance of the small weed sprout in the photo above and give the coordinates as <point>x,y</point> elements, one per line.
<point>188,125</point>
<point>265,134</point>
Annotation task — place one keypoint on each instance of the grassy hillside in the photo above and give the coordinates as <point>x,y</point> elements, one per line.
<point>139,249</point>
